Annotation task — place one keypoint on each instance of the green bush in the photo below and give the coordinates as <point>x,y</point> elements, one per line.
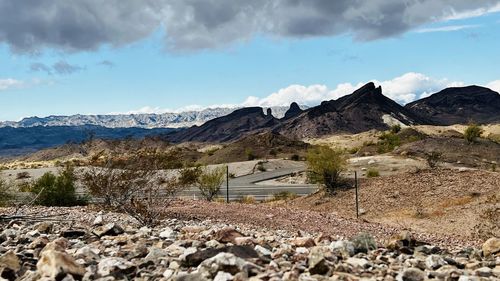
<point>388,142</point>
<point>395,128</point>
<point>210,181</point>
<point>249,153</point>
<point>52,190</point>
<point>260,167</point>
<point>325,166</point>
<point>284,195</point>
<point>472,132</point>
<point>363,243</point>
<point>372,173</point>
<point>5,194</point>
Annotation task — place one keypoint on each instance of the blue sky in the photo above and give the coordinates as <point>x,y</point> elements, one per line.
<point>146,74</point>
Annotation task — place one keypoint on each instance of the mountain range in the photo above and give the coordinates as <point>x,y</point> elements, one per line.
<point>147,121</point>
<point>365,109</point>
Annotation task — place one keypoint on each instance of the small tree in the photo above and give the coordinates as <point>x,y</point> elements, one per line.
<point>249,153</point>
<point>472,132</point>
<point>325,166</point>
<point>210,181</point>
<point>57,190</point>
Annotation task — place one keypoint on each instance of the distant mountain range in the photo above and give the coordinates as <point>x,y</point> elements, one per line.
<point>365,109</point>
<point>147,121</point>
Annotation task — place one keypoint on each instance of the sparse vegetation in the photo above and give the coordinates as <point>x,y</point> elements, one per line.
<point>472,133</point>
<point>5,193</point>
<point>388,142</point>
<point>189,175</point>
<point>325,166</point>
<point>247,199</point>
<point>433,158</point>
<point>23,175</point>
<point>133,186</point>
<point>210,181</point>
<point>363,243</point>
<point>395,128</point>
<point>295,157</point>
<point>372,173</point>
<point>57,190</point>
<point>260,167</point>
<point>249,154</point>
<point>284,195</point>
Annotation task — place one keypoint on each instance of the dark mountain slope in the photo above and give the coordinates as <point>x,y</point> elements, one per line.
<point>363,110</point>
<point>227,128</point>
<point>459,105</point>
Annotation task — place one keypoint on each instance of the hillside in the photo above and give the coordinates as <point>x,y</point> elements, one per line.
<point>365,109</point>
<point>459,105</point>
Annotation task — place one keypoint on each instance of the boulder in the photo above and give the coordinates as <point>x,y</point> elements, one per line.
<point>110,229</point>
<point>54,264</point>
<point>491,247</point>
<point>411,274</point>
<point>9,265</point>
<point>228,235</point>
<point>306,242</point>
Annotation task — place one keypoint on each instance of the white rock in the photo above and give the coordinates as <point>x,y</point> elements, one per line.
<point>223,276</point>
<point>357,262</point>
<point>167,233</point>
<point>98,220</point>
<point>168,273</point>
<point>302,250</point>
<point>263,251</point>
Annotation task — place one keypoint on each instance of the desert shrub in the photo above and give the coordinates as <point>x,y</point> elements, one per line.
<point>395,128</point>
<point>23,175</point>
<point>232,175</point>
<point>57,190</point>
<point>363,243</point>
<point>372,173</point>
<point>212,151</point>
<point>246,199</point>
<point>325,166</point>
<point>249,154</point>
<point>472,132</point>
<point>273,152</point>
<point>388,142</point>
<point>3,167</point>
<point>5,194</point>
<point>295,157</point>
<point>24,186</point>
<point>488,224</point>
<point>135,187</point>
<point>433,158</point>
<point>189,175</point>
<point>284,195</point>
<point>353,150</point>
<point>260,167</point>
<point>210,181</point>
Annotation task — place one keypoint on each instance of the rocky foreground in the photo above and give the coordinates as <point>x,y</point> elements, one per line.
<point>108,246</point>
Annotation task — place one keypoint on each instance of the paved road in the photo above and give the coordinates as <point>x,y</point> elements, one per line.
<point>238,187</point>
<point>246,186</point>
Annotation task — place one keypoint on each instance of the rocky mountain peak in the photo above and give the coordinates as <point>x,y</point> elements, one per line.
<point>293,111</point>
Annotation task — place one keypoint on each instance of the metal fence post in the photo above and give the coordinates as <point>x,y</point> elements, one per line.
<point>356,186</point>
<point>227,183</point>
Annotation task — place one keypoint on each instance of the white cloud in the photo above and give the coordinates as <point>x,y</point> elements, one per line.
<point>494,85</point>
<point>446,28</point>
<point>454,15</point>
<point>10,83</point>
<point>403,89</point>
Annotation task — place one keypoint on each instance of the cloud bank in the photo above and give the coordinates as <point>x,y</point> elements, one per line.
<point>30,26</point>
<point>403,89</point>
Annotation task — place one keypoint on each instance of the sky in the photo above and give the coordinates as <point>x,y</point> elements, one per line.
<point>60,57</point>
